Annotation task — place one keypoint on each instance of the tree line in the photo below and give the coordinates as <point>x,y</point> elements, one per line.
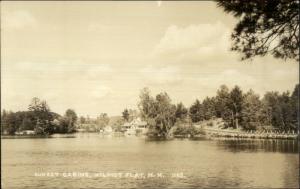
<point>93,124</point>
<point>237,109</point>
<point>39,118</point>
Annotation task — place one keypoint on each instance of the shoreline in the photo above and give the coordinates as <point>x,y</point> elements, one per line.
<point>37,136</point>
<point>23,136</point>
<point>217,133</point>
<point>210,134</point>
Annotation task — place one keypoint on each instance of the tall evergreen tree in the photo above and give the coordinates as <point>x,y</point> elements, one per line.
<point>251,114</point>
<point>235,105</point>
<point>181,112</point>
<point>279,109</point>
<point>222,105</point>
<point>208,108</point>
<point>196,112</point>
<point>125,114</point>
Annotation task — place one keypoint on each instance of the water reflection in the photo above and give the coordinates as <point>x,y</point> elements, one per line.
<point>205,163</point>
<point>256,145</point>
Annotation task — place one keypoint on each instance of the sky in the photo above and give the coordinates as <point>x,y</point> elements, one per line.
<point>95,57</point>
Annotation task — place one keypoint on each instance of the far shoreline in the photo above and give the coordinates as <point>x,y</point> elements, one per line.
<point>208,136</point>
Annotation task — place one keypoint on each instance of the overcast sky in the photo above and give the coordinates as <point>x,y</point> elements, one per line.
<point>95,57</point>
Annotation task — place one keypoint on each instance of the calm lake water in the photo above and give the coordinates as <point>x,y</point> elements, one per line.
<point>96,160</point>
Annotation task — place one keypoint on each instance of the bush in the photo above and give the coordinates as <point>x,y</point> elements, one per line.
<point>187,130</point>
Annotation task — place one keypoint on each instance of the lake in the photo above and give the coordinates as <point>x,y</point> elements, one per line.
<point>93,161</point>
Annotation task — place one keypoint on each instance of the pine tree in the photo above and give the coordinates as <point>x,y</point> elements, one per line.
<point>181,112</point>
<point>251,113</point>
<point>235,106</point>
<point>196,112</point>
<point>222,105</point>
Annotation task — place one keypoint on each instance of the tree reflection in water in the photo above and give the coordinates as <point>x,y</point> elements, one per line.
<point>264,145</point>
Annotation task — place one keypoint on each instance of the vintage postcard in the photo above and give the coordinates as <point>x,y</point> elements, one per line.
<point>149,94</point>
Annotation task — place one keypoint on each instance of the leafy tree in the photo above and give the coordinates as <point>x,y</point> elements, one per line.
<point>195,112</point>
<point>66,123</point>
<point>27,121</point>
<point>159,112</point>
<point>4,114</point>
<point>186,129</point>
<point>165,117</point>
<point>70,117</point>
<point>63,125</point>
<point>265,26</point>
<point>272,109</point>
<point>251,114</point>
<point>116,123</point>
<point>125,114</point>
<point>102,120</point>
<point>3,120</point>
<point>8,122</point>
<point>132,114</point>
<point>294,101</point>
<point>286,111</point>
<point>147,105</point>
<point>280,111</point>
<point>82,120</point>
<point>42,116</point>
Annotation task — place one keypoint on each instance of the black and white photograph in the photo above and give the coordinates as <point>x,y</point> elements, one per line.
<point>149,94</point>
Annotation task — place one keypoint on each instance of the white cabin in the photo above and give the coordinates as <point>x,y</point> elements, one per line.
<point>136,126</point>
<point>108,129</point>
<point>25,132</point>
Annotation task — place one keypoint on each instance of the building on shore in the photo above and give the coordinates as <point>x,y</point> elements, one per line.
<point>25,132</point>
<point>136,126</point>
<point>107,129</point>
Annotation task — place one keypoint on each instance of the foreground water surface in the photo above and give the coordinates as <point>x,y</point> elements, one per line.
<point>173,164</point>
